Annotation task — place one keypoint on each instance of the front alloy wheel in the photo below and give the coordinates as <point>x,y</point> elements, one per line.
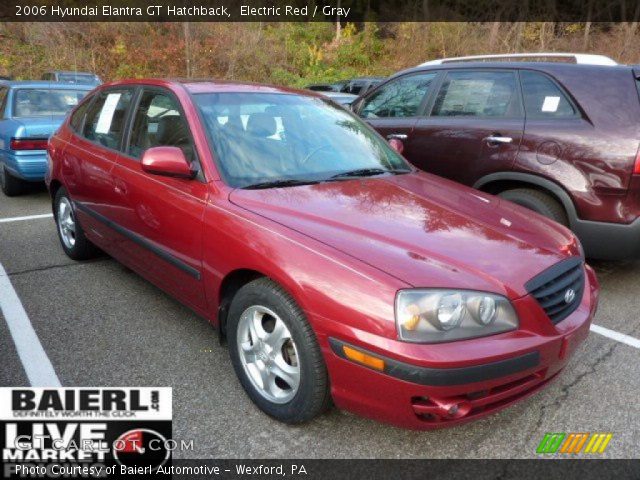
<point>268,354</point>
<point>275,353</point>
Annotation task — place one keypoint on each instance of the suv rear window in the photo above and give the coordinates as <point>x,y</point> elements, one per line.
<point>543,98</point>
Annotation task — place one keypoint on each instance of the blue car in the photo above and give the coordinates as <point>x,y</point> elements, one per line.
<point>30,111</point>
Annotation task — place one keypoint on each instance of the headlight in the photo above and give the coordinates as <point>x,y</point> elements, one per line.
<point>434,316</point>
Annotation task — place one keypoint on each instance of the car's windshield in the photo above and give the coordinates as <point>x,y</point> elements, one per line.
<point>39,102</point>
<point>266,137</point>
<point>77,78</point>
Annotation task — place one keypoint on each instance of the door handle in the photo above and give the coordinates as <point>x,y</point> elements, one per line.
<point>397,136</point>
<point>498,139</point>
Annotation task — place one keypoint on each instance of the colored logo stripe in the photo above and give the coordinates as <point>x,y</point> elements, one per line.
<point>573,443</point>
<point>551,442</point>
<point>598,443</point>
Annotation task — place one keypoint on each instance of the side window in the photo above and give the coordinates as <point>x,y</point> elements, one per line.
<point>543,98</point>
<point>105,118</point>
<point>78,115</point>
<point>399,98</point>
<point>3,100</point>
<point>158,122</point>
<point>478,94</point>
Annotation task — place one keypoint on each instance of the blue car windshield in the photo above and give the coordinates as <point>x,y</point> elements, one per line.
<point>41,102</point>
<point>263,137</point>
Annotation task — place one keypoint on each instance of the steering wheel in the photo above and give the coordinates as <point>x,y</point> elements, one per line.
<point>313,152</point>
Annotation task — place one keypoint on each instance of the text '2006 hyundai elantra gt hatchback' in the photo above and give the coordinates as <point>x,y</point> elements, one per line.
<point>335,270</point>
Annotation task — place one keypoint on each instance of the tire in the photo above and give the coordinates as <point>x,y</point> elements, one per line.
<point>80,248</point>
<point>268,304</point>
<point>539,202</point>
<point>11,186</point>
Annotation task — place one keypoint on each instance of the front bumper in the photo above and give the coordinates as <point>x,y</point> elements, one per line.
<point>461,381</point>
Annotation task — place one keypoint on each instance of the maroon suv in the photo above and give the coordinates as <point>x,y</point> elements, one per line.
<point>559,138</point>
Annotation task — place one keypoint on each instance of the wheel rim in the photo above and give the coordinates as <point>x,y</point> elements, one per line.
<point>66,223</point>
<point>268,354</point>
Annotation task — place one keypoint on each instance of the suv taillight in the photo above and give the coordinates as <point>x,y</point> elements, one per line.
<point>28,144</point>
<point>636,167</point>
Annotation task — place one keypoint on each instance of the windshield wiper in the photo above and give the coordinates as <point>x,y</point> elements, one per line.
<point>367,172</point>
<point>282,182</point>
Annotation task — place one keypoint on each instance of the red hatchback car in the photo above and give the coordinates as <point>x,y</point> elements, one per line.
<point>334,268</point>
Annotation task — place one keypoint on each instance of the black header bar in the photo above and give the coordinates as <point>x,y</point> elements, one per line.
<point>320,10</point>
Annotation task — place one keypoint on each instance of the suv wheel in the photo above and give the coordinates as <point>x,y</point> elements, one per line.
<point>11,186</point>
<point>74,243</point>
<point>539,202</point>
<point>275,353</point>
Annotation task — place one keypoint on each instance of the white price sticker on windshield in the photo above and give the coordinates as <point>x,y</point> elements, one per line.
<point>106,115</point>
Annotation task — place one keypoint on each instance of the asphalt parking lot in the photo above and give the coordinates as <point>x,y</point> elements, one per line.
<point>102,325</point>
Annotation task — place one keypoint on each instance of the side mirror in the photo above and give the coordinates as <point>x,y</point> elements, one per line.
<point>397,145</point>
<point>167,161</point>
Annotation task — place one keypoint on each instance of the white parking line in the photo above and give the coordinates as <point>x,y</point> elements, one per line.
<point>618,337</point>
<point>34,359</point>
<point>28,217</point>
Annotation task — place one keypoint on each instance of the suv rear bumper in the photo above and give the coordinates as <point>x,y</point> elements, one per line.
<point>608,241</point>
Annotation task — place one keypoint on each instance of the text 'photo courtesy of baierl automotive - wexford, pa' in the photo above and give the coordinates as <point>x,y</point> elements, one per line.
<point>320,239</point>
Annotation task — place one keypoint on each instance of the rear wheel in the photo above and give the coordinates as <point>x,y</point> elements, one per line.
<point>275,353</point>
<point>72,238</point>
<point>539,202</point>
<point>11,186</point>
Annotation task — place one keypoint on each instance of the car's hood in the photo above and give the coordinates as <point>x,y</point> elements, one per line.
<point>37,127</point>
<point>421,229</point>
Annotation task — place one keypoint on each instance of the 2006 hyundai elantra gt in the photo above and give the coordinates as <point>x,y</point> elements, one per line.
<point>335,269</point>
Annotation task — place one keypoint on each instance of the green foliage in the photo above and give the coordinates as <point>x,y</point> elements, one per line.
<point>293,54</point>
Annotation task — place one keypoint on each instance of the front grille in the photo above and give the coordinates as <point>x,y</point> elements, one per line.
<point>552,288</point>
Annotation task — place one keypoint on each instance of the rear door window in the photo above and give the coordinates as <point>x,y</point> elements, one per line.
<point>469,93</point>
<point>105,118</point>
<point>543,98</point>
<point>400,97</point>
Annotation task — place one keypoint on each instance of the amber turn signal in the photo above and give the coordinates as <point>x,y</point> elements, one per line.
<point>414,317</point>
<point>363,358</point>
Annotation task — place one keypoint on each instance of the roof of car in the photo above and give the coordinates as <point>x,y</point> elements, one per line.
<point>44,84</point>
<point>213,86</point>
<point>70,72</point>
<point>550,66</point>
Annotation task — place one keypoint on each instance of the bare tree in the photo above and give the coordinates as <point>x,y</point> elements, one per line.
<point>187,47</point>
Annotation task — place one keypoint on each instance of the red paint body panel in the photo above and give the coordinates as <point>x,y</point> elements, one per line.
<point>342,250</point>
